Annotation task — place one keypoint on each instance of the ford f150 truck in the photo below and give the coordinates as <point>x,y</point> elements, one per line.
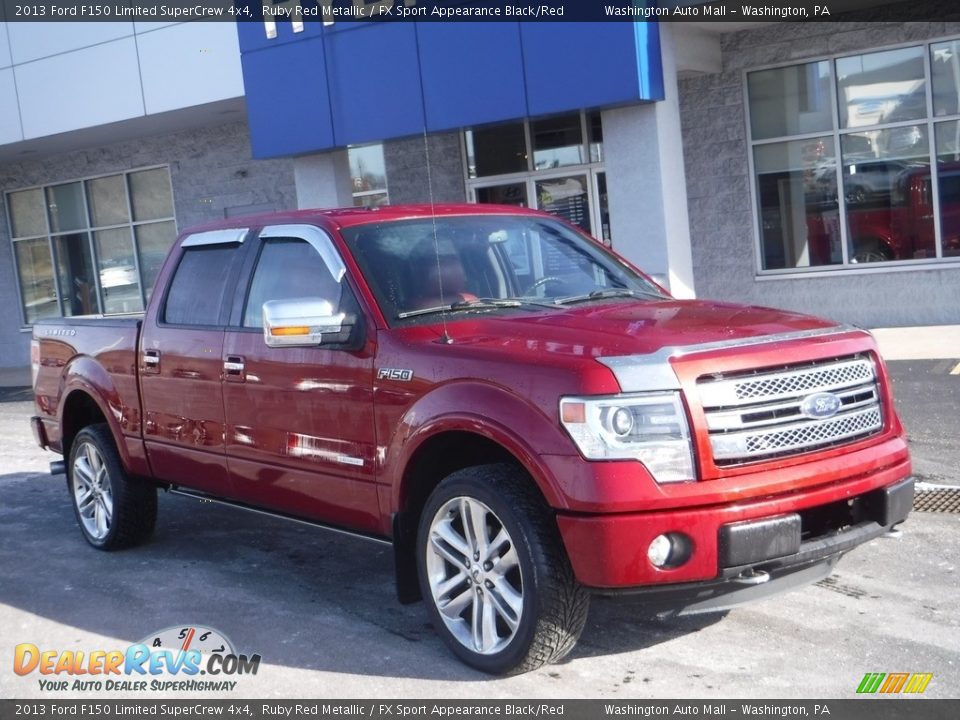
<point>524,415</point>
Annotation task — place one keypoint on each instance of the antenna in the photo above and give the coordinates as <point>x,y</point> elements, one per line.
<point>445,338</point>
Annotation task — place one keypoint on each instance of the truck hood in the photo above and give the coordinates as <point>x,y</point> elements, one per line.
<point>618,328</point>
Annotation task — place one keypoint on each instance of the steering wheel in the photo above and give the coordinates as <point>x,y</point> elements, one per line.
<point>541,282</point>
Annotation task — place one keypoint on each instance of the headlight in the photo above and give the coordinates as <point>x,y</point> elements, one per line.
<point>651,428</point>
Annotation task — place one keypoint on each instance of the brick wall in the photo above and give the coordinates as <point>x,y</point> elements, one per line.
<point>210,168</point>
<point>718,184</point>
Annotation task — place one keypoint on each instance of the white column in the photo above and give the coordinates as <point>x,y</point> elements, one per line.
<point>323,180</point>
<point>646,183</point>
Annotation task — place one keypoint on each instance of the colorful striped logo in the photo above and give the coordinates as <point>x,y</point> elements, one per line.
<point>894,683</point>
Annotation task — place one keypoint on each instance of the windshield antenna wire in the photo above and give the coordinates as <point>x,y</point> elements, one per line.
<point>445,338</point>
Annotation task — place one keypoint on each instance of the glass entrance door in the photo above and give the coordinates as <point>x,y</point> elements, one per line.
<point>567,196</point>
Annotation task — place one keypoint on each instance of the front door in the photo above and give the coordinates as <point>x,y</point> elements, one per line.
<point>300,419</point>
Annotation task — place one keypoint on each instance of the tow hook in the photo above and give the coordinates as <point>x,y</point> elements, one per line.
<point>753,577</point>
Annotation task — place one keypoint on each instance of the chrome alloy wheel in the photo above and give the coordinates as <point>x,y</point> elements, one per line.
<point>92,491</point>
<point>474,575</point>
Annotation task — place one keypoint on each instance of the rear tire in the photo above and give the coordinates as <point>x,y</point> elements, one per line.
<point>113,510</point>
<point>494,573</point>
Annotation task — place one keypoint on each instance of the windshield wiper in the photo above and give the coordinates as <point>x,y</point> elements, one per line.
<point>607,293</point>
<point>479,304</point>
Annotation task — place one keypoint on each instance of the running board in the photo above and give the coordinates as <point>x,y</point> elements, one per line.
<point>282,516</point>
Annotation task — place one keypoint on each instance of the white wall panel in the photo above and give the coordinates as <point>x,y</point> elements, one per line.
<point>93,86</point>
<point>33,40</point>
<point>10,130</point>
<point>190,64</point>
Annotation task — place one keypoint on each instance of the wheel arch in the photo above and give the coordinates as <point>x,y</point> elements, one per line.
<point>448,449</point>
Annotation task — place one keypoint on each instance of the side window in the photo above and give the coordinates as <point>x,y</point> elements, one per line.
<point>199,285</point>
<point>288,269</point>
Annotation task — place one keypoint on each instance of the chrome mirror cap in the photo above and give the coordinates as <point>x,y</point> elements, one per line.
<point>301,322</point>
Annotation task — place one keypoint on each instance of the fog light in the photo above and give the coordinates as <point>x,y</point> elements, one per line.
<point>670,550</point>
<point>659,550</point>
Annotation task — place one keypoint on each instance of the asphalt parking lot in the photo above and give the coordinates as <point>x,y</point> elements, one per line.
<point>320,608</point>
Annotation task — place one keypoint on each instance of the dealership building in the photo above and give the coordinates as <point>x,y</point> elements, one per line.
<point>807,166</point>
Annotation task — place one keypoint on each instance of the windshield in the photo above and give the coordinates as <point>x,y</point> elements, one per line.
<point>480,262</point>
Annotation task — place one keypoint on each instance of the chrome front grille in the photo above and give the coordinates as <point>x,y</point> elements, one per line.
<point>761,415</point>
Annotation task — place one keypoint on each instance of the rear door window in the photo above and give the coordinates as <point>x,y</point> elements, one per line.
<point>199,285</point>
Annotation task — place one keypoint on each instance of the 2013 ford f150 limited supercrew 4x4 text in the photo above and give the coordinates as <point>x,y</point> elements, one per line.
<point>525,416</point>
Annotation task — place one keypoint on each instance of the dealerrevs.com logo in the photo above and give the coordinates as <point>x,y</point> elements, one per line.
<point>179,658</point>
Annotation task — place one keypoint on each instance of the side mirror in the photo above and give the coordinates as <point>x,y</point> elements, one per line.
<point>302,322</point>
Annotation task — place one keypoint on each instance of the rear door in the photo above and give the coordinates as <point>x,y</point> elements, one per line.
<point>300,435</point>
<point>181,365</point>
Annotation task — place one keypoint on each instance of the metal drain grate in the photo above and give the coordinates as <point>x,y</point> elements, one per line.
<point>937,499</point>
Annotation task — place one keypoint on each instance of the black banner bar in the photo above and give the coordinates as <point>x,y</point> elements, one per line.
<point>879,708</point>
<point>342,11</point>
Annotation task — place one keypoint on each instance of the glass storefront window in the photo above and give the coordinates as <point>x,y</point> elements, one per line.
<point>898,164</point>
<point>38,292</point>
<point>496,150</point>
<point>881,87</point>
<point>886,182</point>
<point>368,175</point>
<point>367,168</point>
<point>790,101</point>
<point>79,251</point>
<point>150,195</point>
<point>153,243</point>
<point>595,137</point>
<point>27,213</point>
<point>557,142</point>
<point>119,280</point>
<point>75,273</point>
<point>948,180</point>
<point>796,185</point>
<point>945,78</point>
<point>65,207</point>
<point>108,201</point>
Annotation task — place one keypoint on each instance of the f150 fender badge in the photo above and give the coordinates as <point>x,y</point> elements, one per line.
<point>400,374</point>
<point>820,406</point>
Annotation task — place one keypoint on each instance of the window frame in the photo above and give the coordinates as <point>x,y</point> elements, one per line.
<point>930,122</point>
<point>90,229</point>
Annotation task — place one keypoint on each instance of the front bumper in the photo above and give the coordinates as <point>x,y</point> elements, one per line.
<point>736,545</point>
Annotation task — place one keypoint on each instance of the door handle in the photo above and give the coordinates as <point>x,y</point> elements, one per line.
<point>233,369</point>
<point>151,361</point>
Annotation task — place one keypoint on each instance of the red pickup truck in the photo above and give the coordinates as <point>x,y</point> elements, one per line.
<point>522,414</point>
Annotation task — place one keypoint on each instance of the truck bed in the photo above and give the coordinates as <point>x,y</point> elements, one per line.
<point>92,352</point>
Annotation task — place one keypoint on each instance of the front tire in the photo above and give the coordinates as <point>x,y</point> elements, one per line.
<point>113,510</point>
<point>494,574</point>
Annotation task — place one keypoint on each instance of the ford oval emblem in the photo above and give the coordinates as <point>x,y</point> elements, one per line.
<point>820,405</point>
